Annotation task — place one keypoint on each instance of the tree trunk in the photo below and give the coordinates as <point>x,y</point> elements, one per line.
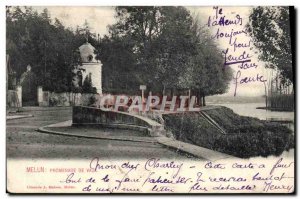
<point>204,103</point>
<point>189,94</point>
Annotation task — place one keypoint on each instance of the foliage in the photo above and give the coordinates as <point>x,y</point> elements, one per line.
<point>150,47</point>
<point>119,69</point>
<point>45,44</point>
<point>247,137</point>
<point>270,30</point>
<point>29,86</point>
<point>87,86</point>
<point>205,73</point>
<point>162,47</point>
<point>92,100</point>
<point>53,101</point>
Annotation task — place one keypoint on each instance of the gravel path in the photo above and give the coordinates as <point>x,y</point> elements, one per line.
<point>22,141</point>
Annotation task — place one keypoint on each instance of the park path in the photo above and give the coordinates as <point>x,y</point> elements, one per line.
<point>23,141</point>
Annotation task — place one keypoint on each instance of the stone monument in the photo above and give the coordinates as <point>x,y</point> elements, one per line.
<point>90,68</point>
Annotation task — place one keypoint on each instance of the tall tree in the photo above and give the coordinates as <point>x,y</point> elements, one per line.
<point>205,74</point>
<point>119,66</point>
<point>161,41</point>
<point>162,47</point>
<point>47,46</point>
<point>270,30</point>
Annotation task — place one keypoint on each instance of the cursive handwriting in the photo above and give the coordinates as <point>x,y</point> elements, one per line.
<point>235,188</point>
<point>278,164</point>
<point>219,19</point>
<point>244,80</point>
<point>258,177</point>
<point>237,44</point>
<point>210,165</point>
<point>158,188</point>
<point>95,165</point>
<point>70,179</point>
<point>231,59</point>
<point>165,180</point>
<point>198,187</point>
<point>163,176</point>
<point>225,35</point>
<point>238,51</point>
<point>269,186</point>
<point>154,163</point>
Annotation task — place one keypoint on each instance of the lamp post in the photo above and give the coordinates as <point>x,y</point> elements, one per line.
<point>143,88</point>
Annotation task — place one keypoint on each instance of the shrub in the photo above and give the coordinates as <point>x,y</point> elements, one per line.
<point>92,100</point>
<point>246,136</point>
<point>53,101</point>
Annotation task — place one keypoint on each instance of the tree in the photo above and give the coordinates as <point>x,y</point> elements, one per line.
<point>87,86</point>
<point>174,47</point>
<point>205,74</point>
<point>48,47</point>
<point>160,42</point>
<point>136,29</point>
<point>270,29</point>
<point>162,47</point>
<point>119,65</point>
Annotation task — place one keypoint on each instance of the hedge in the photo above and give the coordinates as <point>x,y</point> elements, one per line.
<point>246,136</point>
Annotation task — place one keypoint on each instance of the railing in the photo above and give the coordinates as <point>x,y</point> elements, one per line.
<point>212,122</point>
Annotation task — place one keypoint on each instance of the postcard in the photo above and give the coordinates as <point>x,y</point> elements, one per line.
<point>150,99</point>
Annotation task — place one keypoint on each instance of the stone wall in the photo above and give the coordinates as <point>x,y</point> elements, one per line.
<point>46,98</point>
<point>114,119</point>
<point>14,97</point>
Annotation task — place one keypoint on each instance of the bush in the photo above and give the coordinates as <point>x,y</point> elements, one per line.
<point>53,102</point>
<point>246,137</point>
<point>92,100</point>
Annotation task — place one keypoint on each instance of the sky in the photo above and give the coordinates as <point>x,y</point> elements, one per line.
<point>249,89</point>
<point>97,17</point>
<point>100,17</point>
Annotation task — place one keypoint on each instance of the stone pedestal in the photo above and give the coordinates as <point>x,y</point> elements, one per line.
<point>19,94</point>
<point>40,95</point>
<point>91,66</point>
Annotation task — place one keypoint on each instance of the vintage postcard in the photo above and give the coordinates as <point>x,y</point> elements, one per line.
<point>150,99</point>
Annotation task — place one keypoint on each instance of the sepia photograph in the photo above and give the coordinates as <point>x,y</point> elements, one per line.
<point>150,99</point>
